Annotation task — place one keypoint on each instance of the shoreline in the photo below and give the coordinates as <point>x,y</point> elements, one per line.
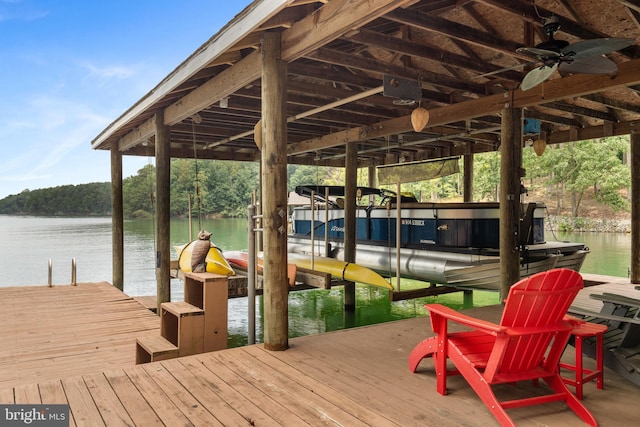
<point>591,225</point>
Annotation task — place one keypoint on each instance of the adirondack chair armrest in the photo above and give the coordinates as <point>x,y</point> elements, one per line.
<point>598,315</point>
<point>439,311</point>
<point>515,331</point>
<point>616,299</point>
<point>575,321</point>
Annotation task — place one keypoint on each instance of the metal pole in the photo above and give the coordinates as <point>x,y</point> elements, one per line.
<point>50,273</point>
<point>251,275</point>
<point>326,221</point>
<point>398,231</point>
<point>313,228</point>
<point>190,219</point>
<point>73,272</point>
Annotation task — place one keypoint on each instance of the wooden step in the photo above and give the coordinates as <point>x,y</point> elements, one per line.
<point>182,324</point>
<point>181,309</point>
<point>153,348</point>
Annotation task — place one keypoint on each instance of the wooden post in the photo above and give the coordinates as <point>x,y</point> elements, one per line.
<point>117,219</point>
<point>467,186</point>
<point>274,193</point>
<point>351,177</point>
<point>163,173</point>
<point>510,167</point>
<point>635,206</point>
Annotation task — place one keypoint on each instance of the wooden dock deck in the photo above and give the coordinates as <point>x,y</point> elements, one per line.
<point>354,377</point>
<point>52,332</point>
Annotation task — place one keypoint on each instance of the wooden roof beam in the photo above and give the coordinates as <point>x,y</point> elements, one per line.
<point>218,44</point>
<point>554,90</point>
<point>550,118</point>
<point>613,103</point>
<point>382,68</point>
<point>524,10</point>
<point>324,25</point>
<point>395,44</point>
<point>580,111</point>
<point>631,4</point>
<point>456,31</point>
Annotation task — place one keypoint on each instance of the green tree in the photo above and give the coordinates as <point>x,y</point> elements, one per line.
<point>138,193</point>
<point>313,175</point>
<point>486,173</point>
<point>574,167</point>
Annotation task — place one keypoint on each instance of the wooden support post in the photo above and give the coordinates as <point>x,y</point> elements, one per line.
<point>163,172</point>
<point>467,191</point>
<point>351,177</point>
<point>467,298</point>
<point>117,218</point>
<point>510,174</point>
<point>635,206</point>
<point>274,193</point>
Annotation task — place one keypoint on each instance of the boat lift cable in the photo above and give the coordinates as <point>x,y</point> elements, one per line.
<point>197,180</point>
<point>152,198</point>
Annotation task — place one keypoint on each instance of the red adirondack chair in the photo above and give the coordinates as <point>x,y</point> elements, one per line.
<point>526,345</point>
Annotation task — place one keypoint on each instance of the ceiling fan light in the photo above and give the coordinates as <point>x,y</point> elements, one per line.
<point>539,145</point>
<point>419,118</point>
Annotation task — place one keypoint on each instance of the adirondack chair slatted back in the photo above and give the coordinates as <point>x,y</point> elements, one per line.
<point>537,305</point>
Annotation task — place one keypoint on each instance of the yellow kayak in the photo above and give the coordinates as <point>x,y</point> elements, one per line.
<point>215,262</point>
<point>342,269</point>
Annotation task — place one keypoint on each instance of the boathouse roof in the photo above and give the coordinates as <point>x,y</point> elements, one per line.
<point>352,66</point>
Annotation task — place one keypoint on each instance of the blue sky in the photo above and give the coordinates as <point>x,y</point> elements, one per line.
<point>68,68</point>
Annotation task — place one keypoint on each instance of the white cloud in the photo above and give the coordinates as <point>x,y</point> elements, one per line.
<point>104,74</point>
<point>17,10</point>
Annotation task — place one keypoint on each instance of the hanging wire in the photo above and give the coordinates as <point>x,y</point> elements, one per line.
<point>152,198</point>
<point>197,181</point>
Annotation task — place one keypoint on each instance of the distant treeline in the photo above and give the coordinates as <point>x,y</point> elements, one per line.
<point>66,200</point>
<point>215,188</point>
<point>562,177</point>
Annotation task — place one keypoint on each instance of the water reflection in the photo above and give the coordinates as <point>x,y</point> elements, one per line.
<point>28,243</point>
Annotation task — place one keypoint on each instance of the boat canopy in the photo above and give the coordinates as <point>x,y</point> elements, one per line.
<point>418,171</point>
<point>320,191</point>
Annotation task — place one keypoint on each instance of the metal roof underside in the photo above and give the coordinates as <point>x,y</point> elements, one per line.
<point>462,54</point>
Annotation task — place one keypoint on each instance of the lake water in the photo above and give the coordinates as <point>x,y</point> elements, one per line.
<point>29,242</point>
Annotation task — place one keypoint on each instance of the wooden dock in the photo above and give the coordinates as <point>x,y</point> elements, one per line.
<point>53,332</point>
<point>354,377</point>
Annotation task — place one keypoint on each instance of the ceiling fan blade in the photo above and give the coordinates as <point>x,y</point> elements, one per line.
<point>537,52</point>
<point>595,47</point>
<point>537,76</point>
<point>593,65</point>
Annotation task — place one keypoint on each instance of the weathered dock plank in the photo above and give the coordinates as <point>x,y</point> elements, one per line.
<point>225,392</point>
<point>164,406</point>
<point>136,407</point>
<point>53,332</point>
